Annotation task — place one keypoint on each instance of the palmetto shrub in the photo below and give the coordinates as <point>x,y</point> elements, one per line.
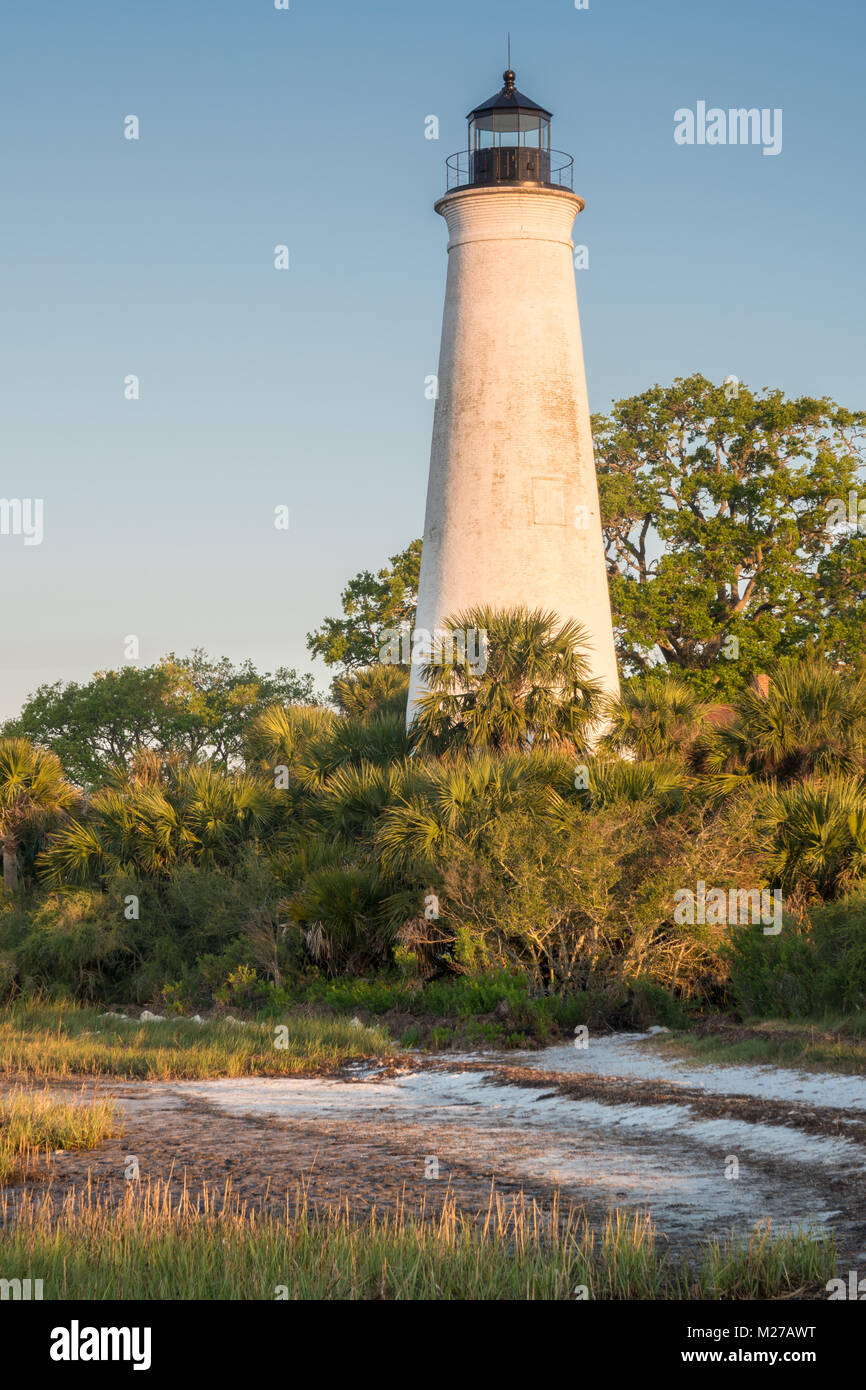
<point>34,794</point>
<point>458,798</point>
<point>657,716</point>
<point>380,739</point>
<point>818,833</point>
<point>353,798</point>
<point>533,690</point>
<point>279,737</point>
<point>350,914</point>
<point>379,689</point>
<point>664,784</point>
<point>202,816</point>
<point>312,743</point>
<point>811,722</point>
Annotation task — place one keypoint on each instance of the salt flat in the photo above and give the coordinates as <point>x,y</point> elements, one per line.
<point>510,1119</point>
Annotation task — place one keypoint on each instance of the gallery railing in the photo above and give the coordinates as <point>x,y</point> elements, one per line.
<point>509,164</point>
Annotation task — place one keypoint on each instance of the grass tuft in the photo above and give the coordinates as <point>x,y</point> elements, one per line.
<point>33,1123</point>
<point>43,1040</point>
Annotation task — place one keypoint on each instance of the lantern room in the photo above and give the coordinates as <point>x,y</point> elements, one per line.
<point>509,142</point>
<point>509,138</point>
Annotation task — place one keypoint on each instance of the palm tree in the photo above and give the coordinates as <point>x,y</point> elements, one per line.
<point>656,716</point>
<point>33,793</point>
<point>205,816</point>
<point>809,721</point>
<point>533,692</point>
<point>379,689</point>
<point>459,798</point>
<point>818,833</point>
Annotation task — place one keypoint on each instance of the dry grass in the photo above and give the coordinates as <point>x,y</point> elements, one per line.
<point>34,1123</point>
<point>160,1244</point>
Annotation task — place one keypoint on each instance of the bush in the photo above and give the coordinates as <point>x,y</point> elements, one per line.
<point>818,831</point>
<point>649,1004</point>
<point>75,944</point>
<point>85,944</point>
<point>814,967</point>
<point>586,902</point>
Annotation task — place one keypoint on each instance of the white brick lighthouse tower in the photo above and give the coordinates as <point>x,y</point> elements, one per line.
<point>512,500</point>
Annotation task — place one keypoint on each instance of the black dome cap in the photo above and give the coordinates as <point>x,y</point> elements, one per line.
<point>509,99</point>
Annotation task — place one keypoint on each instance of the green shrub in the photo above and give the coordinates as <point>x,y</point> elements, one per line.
<point>650,1004</point>
<point>814,967</point>
<point>818,831</point>
<point>584,900</point>
<point>129,940</point>
<point>69,943</point>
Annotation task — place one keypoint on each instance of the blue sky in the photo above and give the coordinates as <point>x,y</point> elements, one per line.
<point>305,387</point>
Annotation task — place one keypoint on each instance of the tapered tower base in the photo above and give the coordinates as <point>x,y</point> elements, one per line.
<point>512,502</point>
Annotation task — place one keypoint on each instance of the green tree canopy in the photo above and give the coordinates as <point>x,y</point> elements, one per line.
<point>372,603</point>
<point>716,506</point>
<point>196,706</point>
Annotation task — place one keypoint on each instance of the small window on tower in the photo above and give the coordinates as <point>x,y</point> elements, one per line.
<point>548,502</point>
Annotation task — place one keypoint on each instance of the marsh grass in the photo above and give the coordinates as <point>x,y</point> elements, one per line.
<point>159,1243</point>
<point>57,1040</point>
<point>34,1123</point>
<point>831,1045</point>
<point>764,1264</point>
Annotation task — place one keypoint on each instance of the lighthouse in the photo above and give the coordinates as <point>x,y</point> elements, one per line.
<point>512,499</point>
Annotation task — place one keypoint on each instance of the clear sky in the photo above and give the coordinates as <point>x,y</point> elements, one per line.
<point>305,388</point>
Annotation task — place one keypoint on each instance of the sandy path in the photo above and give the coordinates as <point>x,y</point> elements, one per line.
<point>622,1056</point>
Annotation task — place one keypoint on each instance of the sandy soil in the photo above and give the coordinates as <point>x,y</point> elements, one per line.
<point>614,1124</point>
